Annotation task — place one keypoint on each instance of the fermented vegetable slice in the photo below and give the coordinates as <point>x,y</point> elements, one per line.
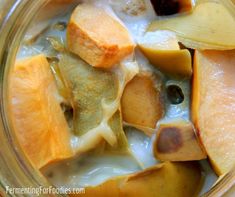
<point>166,179</point>
<point>162,50</point>
<point>37,117</point>
<point>141,102</point>
<point>95,99</point>
<point>176,140</point>
<point>89,86</point>
<point>97,37</point>
<point>213,106</point>
<point>210,26</point>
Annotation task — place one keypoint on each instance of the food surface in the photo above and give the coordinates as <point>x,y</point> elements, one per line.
<point>128,98</point>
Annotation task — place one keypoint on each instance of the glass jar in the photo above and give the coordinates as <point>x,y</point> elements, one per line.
<point>15,169</point>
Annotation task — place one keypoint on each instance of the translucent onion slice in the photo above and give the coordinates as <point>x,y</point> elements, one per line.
<point>210,26</point>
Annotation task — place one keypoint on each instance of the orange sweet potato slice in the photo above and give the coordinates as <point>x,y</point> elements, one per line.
<point>36,114</point>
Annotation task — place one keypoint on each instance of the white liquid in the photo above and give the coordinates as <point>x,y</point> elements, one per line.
<point>90,169</point>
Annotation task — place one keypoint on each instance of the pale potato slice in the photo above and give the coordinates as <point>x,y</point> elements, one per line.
<point>162,50</point>
<point>141,102</point>
<point>97,37</point>
<point>177,141</point>
<point>211,25</point>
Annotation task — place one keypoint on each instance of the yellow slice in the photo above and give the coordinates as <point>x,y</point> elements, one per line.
<point>210,26</point>
<point>141,102</point>
<point>163,51</point>
<point>37,118</point>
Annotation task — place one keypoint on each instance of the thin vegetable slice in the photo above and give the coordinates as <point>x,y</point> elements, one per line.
<point>163,51</point>
<point>95,99</point>
<point>141,102</point>
<point>210,26</point>
<point>176,140</point>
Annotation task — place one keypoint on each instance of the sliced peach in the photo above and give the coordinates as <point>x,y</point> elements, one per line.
<point>97,37</point>
<point>141,102</point>
<point>213,110</point>
<point>37,117</point>
<point>177,141</point>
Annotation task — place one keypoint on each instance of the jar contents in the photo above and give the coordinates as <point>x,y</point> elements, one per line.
<point>125,97</point>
